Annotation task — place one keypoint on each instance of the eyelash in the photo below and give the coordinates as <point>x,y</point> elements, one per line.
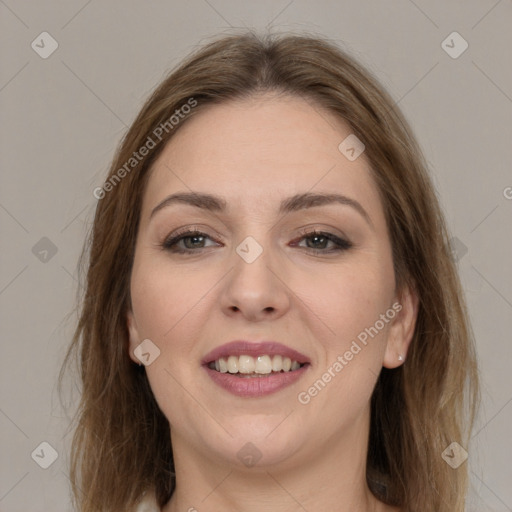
<point>342,244</point>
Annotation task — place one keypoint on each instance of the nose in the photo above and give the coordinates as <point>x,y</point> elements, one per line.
<point>255,290</point>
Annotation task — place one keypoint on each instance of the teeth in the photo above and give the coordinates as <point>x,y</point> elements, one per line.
<point>277,363</point>
<point>246,364</point>
<point>262,365</point>
<point>232,364</point>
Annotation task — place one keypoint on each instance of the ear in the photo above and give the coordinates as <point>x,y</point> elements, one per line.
<point>134,338</point>
<point>402,327</point>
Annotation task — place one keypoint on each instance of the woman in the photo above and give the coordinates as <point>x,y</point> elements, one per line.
<point>272,319</point>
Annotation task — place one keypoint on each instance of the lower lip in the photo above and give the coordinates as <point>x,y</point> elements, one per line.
<point>255,386</point>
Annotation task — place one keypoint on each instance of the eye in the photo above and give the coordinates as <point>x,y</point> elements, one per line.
<point>192,240</point>
<point>321,239</point>
<point>316,241</point>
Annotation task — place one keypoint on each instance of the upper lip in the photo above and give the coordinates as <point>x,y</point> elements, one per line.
<point>254,349</point>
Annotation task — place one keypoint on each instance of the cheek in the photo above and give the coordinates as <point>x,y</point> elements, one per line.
<point>351,304</point>
<point>163,296</point>
<point>351,298</point>
<point>166,302</point>
<point>340,387</point>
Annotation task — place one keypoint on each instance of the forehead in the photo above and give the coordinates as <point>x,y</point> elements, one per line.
<point>257,150</point>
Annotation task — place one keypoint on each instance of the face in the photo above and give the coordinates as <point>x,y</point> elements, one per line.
<point>314,277</point>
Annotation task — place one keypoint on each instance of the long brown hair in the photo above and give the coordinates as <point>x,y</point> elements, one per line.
<point>121,445</point>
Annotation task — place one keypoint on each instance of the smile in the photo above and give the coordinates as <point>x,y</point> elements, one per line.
<point>254,369</point>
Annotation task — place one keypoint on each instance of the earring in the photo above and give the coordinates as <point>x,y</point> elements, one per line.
<point>400,357</point>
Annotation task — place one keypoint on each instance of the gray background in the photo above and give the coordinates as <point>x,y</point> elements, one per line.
<point>63,116</point>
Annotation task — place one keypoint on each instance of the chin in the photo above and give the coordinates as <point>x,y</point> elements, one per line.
<point>256,441</point>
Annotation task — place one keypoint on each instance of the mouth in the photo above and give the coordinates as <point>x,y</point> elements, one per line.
<point>250,369</point>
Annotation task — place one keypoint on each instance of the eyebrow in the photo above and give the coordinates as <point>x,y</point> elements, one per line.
<point>291,204</point>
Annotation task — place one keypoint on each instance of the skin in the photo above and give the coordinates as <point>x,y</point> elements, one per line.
<point>256,152</point>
